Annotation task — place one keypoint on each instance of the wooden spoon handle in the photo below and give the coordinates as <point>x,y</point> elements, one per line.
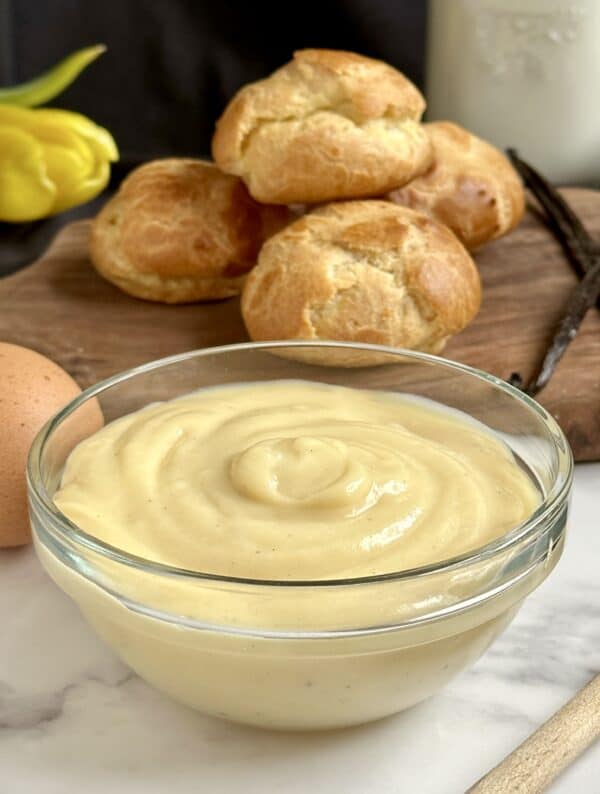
<point>534,764</point>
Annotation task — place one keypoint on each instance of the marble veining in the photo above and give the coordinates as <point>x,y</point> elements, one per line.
<point>30,711</point>
<point>73,717</point>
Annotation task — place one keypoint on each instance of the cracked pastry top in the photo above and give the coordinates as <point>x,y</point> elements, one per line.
<point>327,125</point>
<point>362,271</point>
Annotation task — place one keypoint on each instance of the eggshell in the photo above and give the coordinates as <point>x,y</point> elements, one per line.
<point>32,389</point>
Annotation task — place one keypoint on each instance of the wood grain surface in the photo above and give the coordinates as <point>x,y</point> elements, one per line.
<point>62,308</point>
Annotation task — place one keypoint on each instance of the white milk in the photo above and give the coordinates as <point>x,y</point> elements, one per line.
<point>522,73</point>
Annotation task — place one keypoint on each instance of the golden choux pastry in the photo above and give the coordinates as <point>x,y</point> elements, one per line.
<point>362,271</point>
<point>471,186</point>
<point>327,125</point>
<point>180,230</point>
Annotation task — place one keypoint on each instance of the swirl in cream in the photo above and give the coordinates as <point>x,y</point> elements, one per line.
<point>295,480</point>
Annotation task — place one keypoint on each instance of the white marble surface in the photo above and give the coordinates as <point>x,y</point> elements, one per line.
<point>74,718</point>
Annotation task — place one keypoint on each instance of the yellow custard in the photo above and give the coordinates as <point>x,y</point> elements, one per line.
<point>295,480</point>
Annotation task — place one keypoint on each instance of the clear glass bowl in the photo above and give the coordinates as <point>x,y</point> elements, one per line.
<point>310,654</point>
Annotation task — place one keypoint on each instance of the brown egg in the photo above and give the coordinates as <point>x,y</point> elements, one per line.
<point>32,389</point>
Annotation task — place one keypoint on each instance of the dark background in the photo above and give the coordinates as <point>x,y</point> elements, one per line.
<point>172,65</point>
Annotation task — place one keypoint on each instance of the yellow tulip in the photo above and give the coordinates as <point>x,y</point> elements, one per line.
<point>26,191</point>
<point>97,136</point>
<point>50,160</point>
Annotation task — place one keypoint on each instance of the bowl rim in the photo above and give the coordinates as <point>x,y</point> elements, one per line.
<point>555,497</point>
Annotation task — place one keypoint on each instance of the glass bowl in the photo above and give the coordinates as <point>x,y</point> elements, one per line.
<point>304,654</point>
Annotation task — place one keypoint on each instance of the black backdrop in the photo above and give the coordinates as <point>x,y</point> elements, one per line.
<point>172,65</point>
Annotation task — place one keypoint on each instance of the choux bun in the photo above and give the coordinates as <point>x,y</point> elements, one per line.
<point>471,187</point>
<point>362,271</point>
<point>179,230</point>
<point>327,125</point>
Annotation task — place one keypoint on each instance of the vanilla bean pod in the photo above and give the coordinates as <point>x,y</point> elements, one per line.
<point>582,298</point>
<point>579,246</point>
<point>584,254</point>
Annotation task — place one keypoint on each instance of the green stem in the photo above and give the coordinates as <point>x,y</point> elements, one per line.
<point>48,85</point>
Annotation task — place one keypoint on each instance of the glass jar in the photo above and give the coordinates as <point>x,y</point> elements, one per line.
<point>521,73</point>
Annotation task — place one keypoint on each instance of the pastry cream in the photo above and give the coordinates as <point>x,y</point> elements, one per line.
<point>295,480</point>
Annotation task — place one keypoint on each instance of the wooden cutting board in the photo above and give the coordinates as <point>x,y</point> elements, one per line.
<point>61,307</point>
